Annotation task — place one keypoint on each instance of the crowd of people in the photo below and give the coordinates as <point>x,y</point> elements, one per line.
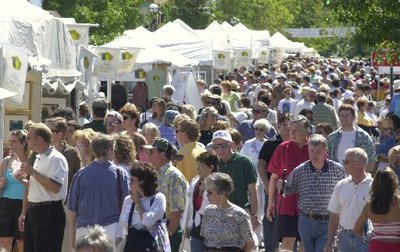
<point>303,156</point>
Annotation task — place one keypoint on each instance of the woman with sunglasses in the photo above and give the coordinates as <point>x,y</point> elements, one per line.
<point>225,226</point>
<point>13,190</point>
<point>207,118</point>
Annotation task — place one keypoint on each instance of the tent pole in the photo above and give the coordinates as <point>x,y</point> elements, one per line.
<point>2,111</point>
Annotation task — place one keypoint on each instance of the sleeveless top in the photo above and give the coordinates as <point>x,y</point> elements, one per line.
<point>385,231</point>
<point>14,189</point>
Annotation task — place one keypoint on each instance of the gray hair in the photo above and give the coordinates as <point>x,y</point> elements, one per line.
<point>317,139</point>
<point>302,120</point>
<point>359,155</point>
<point>222,183</point>
<point>101,143</point>
<point>97,239</point>
<point>263,123</point>
<point>151,127</point>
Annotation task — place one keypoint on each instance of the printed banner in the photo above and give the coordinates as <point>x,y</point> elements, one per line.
<point>243,57</point>
<point>79,34</point>
<point>106,65</point>
<point>127,60</point>
<point>15,65</point>
<point>222,60</point>
<point>263,56</point>
<point>85,63</point>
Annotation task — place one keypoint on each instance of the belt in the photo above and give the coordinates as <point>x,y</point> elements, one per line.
<point>45,203</point>
<point>224,248</point>
<point>316,216</point>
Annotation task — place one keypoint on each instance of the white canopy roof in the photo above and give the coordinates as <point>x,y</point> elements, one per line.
<point>149,53</point>
<point>29,27</point>
<point>278,40</point>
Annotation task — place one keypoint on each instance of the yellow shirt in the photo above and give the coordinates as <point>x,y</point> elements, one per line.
<point>187,166</point>
<point>364,119</point>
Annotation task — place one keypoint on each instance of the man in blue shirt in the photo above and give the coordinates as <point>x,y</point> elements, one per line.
<point>97,191</point>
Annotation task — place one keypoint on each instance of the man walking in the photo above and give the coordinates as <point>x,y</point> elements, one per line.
<point>314,181</point>
<point>347,202</point>
<point>42,209</point>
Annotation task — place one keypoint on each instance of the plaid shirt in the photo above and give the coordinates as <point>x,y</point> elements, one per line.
<point>314,187</point>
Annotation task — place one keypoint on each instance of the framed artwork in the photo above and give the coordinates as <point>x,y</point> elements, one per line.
<point>201,75</point>
<point>24,108</point>
<point>13,122</point>
<point>50,105</point>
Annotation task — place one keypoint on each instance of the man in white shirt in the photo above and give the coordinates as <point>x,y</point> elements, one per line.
<point>307,102</point>
<point>347,202</point>
<point>43,216</point>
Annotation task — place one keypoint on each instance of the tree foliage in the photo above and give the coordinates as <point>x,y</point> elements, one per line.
<point>376,21</point>
<point>113,16</point>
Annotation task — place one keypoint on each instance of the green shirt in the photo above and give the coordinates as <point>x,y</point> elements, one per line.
<point>96,125</point>
<point>243,173</point>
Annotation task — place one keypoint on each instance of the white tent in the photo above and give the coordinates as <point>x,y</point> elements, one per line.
<point>278,40</point>
<point>180,38</point>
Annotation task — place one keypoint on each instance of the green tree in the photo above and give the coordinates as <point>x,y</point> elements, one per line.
<point>113,16</point>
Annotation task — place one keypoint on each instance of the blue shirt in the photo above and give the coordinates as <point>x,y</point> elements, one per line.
<point>94,194</point>
<point>168,133</point>
<point>14,189</point>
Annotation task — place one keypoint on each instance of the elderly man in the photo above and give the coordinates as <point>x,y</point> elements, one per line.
<point>187,133</point>
<point>288,156</point>
<point>113,122</point>
<point>347,202</point>
<point>314,181</point>
<point>349,136</point>
<point>260,110</point>
<point>242,172</point>
<point>172,183</point>
<point>97,192</point>
<point>45,216</point>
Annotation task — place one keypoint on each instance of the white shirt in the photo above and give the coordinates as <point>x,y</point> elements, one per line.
<point>303,104</point>
<point>291,103</point>
<point>346,142</point>
<point>251,148</point>
<point>348,200</point>
<point>53,165</point>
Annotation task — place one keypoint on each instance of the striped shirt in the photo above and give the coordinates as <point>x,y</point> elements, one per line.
<point>386,231</point>
<point>314,186</point>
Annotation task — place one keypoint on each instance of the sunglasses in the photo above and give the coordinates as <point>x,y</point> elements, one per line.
<point>346,161</point>
<point>55,131</point>
<point>178,130</point>
<point>256,111</point>
<point>126,118</point>
<point>217,146</point>
<point>113,124</point>
<point>259,129</point>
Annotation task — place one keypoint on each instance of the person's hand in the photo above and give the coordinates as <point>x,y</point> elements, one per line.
<point>21,223</point>
<point>72,237</point>
<point>187,233</point>
<point>328,247</point>
<point>135,197</point>
<point>270,212</point>
<point>26,168</point>
<point>279,185</point>
<point>255,221</point>
<point>3,182</point>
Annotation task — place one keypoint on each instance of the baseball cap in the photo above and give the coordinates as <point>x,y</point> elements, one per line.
<point>222,134</point>
<point>164,145</point>
<point>169,116</point>
<point>281,75</point>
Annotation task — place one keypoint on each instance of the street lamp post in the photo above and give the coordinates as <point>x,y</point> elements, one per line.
<point>155,10</point>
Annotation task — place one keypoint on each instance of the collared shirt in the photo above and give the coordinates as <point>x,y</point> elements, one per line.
<point>314,186</point>
<point>93,194</point>
<point>53,165</point>
<point>246,128</point>
<point>288,156</point>
<point>362,140</point>
<point>174,185</point>
<point>187,166</point>
<point>348,200</point>
<point>243,173</point>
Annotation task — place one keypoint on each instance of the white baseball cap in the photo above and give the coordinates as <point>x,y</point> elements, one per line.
<point>222,134</point>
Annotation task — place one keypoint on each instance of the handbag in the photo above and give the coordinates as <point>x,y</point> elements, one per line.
<point>144,239</point>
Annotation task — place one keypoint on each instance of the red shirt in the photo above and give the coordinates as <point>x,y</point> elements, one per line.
<point>287,156</point>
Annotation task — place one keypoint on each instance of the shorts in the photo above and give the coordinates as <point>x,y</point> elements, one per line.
<point>10,210</point>
<point>287,226</point>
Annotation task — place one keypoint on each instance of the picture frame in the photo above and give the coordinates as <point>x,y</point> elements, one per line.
<point>15,108</point>
<point>13,122</point>
<point>201,75</point>
<point>50,104</point>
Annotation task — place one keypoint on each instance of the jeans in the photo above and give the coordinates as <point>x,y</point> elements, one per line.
<point>313,233</point>
<point>348,241</point>
<point>197,245</point>
<point>271,242</point>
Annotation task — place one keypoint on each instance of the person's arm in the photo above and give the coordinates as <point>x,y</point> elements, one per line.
<point>21,219</point>
<point>72,227</point>
<point>360,222</point>
<point>253,205</point>
<point>248,246</point>
<point>271,193</point>
<point>332,228</point>
<point>48,183</point>
<point>174,218</point>
<point>262,171</point>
